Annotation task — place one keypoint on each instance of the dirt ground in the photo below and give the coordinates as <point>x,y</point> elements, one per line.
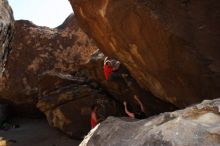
<point>34,132</point>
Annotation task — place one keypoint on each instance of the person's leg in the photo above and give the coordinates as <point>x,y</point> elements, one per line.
<point>130,114</point>
<point>139,102</point>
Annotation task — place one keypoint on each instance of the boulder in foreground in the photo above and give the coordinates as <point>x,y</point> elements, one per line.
<point>194,126</point>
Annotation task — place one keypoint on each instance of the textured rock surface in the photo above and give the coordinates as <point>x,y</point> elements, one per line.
<point>6,32</point>
<point>39,71</point>
<point>68,107</point>
<point>38,50</point>
<point>125,88</point>
<point>196,125</point>
<point>171,47</point>
<point>66,99</point>
<point>36,73</point>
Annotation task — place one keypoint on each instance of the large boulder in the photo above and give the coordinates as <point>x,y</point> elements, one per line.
<point>195,126</point>
<point>6,32</point>
<point>38,50</point>
<point>171,47</point>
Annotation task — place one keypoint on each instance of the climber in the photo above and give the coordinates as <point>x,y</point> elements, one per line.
<point>94,119</point>
<point>111,69</point>
<point>138,115</point>
<point>107,68</point>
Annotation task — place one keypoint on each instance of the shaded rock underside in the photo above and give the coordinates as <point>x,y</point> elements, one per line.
<point>171,47</point>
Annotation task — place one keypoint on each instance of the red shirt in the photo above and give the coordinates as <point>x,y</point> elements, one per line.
<point>107,71</point>
<point>93,120</point>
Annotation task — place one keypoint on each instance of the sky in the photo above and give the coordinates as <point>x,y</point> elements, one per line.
<point>51,13</point>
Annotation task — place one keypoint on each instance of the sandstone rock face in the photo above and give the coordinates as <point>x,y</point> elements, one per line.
<point>170,47</point>
<point>66,99</point>
<point>39,50</point>
<point>48,69</point>
<point>39,70</point>
<point>124,88</point>
<point>43,69</point>
<point>6,32</point>
<point>196,125</point>
<point>67,105</point>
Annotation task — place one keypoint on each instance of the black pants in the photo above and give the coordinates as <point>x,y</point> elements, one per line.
<point>114,76</point>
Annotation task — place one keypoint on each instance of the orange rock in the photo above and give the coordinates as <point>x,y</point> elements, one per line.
<point>170,47</point>
<point>38,50</point>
